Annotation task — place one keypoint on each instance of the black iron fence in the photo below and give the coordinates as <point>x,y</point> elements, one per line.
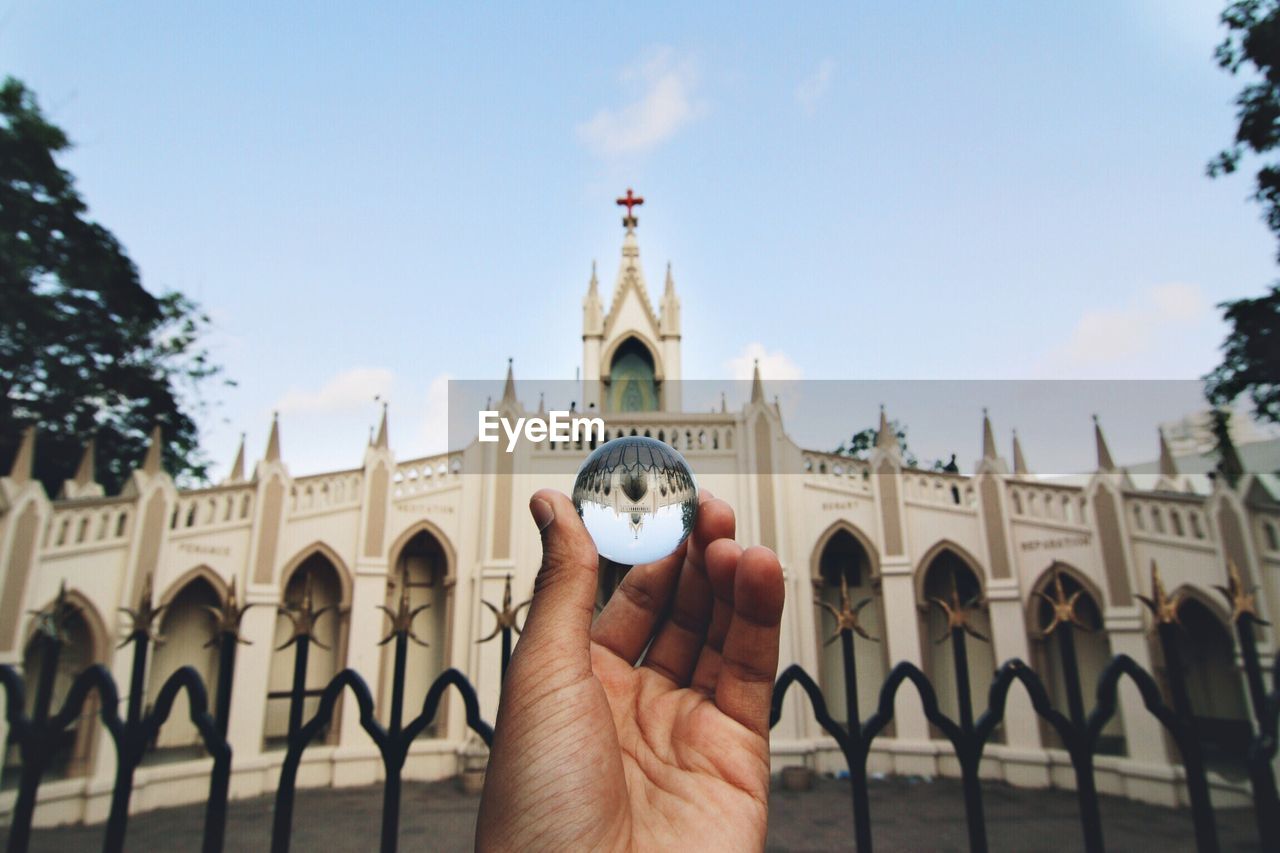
<point>1080,733</point>
<point>41,734</point>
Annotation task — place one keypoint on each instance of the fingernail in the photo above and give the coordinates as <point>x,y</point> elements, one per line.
<point>542,513</point>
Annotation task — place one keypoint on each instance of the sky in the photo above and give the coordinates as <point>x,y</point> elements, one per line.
<point>369,202</point>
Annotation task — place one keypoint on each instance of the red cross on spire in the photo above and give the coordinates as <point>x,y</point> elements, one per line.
<point>629,201</point>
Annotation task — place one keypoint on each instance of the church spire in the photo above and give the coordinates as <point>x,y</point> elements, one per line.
<point>151,464</point>
<point>83,484</point>
<point>509,389</point>
<point>885,439</point>
<point>273,440</point>
<point>25,459</point>
<point>757,387</point>
<point>988,437</point>
<point>1105,464</point>
<point>669,311</point>
<point>237,466</point>
<point>592,308</point>
<point>381,442</point>
<point>1168,468</point>
<point>1019,461</point>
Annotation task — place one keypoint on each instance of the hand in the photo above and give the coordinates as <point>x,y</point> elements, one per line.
<point>593,752</point>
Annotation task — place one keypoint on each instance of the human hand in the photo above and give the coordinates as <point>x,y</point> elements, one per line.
<point>594,752</point>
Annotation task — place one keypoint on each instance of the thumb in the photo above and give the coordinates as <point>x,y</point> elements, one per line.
<point>564,594</point>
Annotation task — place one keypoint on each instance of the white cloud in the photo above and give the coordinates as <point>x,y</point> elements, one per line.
<point>775,366</point>
<point>1121,341</point>
<point>665,103</point>
<point>815,86</point>
<point>348,390</point>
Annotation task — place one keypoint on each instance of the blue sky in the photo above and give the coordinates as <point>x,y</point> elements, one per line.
<point>368,201</point>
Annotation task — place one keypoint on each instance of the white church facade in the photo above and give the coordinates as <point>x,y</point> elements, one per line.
<point>455,525</point>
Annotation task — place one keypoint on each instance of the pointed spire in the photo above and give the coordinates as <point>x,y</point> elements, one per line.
<point>381,441</point>
<point>1168,468</point>
<point>988,437</point>
<point>671,282</point>
<point>1019,461</point>
<point>237,466</point>
<point>84,471</point>
<point>542,402</point>
<point>885,439</point>
<point>1104,453</point>
<point>25,459</point>
<point>273,440</point>
<point>757,387</point>
<point>592,308</point>
<point>151,464</point>
<point>509,389</point>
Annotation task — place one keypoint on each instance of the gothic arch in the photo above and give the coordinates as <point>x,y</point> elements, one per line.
<point>425,526</point>
<point>324,550</point>
<point>655,353</point>
<point>203,572</point>
<point>1212,603</point>
<point>815,556</point>
<point>939,548</point>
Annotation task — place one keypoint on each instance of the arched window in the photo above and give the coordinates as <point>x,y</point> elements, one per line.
<point>1214,687</point>
<point>948,576</point>
<point>186,628</point>
<point>322,663</point>
<point>423,562</point>
<point>82,646</point>
<point>1092,652</point>
<point>843,557</point>
<point>632,379</point>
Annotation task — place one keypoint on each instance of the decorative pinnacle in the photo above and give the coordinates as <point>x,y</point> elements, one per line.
<point>506,617</point>
<point>304,617</point>
<point>1064,606</point>
<point>142,618</point>
<point>402,617</point>
<point>846,617</point>
<point>226,619</point>
<point>1162,607</point>
<point>51,622</point>
<point>959,612</point>
<point>1243,600</point>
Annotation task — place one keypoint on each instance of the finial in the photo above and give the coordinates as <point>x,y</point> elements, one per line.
<point>629,201</point>
<point>24,460</point>
<point>381,443</point>
<point>1064,606</point>
<point>402,617</point>
<point>51,622</point>
<point>273,439</point>
<point>1243,599</point>
<point>305,616</point>
<point>507,616</point>
<point>846,617</point>
<point>142,619</point>
<point>1162,607</point>
<point>988,437</point>
<point>151,463</point>
<point>227,618</point>
<point>959,612</point>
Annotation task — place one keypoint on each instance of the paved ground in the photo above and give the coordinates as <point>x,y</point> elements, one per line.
<point>906,815</point>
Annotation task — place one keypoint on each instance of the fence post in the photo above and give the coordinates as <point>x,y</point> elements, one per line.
<point>505,619</point>
<point>1244,613</point>
<point>847,624</point>
<point>1165,611</point>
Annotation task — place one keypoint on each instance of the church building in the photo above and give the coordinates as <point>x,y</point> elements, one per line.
<point>452,530</point>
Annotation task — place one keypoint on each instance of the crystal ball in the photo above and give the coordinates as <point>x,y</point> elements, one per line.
<point>637,498</point>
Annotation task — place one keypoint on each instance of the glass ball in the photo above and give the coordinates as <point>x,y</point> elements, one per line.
<point>637,498</point>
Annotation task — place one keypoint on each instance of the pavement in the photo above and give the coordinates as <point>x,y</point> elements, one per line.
<point>907,814</point>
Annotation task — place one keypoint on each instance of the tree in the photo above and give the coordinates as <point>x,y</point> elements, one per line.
<point>1251,352</point>
<point>863,441</point>
<point>85,350</point>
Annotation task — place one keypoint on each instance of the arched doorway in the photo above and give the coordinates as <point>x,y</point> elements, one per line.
<point>83,644</point>
<point>317,573</point>
<point>1214,686</point>
<point>186,628</point>
<point>423,564</point>
<point>844,563</point>
<point>949,577</point>
<point>633,383</point>
<point>1092,649</point>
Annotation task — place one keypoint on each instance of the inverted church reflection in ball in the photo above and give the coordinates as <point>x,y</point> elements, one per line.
<point>638,499</point>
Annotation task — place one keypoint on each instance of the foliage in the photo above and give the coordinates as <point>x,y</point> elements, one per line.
<point>1250,356</point>
<point>862,442</point>
<point>85,350</point>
